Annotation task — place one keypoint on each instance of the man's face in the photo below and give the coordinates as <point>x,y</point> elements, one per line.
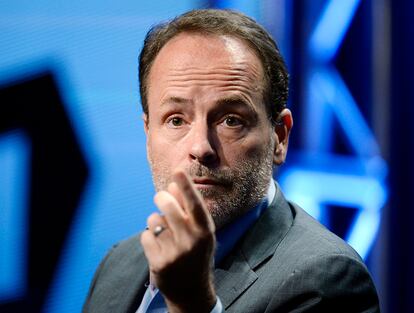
<point>207,117</point>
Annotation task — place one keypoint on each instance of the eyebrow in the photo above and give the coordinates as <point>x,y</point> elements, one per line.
<point>231,101</point>
<point>236,101</point>
<point>176,100</point>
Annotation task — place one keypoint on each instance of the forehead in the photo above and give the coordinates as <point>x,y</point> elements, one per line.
<point>206,54</point>
<point>225,47</point>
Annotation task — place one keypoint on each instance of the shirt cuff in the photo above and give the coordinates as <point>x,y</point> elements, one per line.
<point>218,308</point>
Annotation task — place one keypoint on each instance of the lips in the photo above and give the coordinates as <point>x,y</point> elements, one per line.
<point>205,181</point>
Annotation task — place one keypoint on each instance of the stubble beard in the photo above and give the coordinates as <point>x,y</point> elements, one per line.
<point>240,188</point>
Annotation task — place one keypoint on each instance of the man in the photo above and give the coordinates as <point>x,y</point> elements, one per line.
<point>214,91</point>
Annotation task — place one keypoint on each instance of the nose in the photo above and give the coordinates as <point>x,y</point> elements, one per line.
<point>203,146</point>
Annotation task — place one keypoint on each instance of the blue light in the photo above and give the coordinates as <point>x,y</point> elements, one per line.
<point>312,189</point>
<point>331,28</point>
<point>323,177</point>
<point>333,93</point>
<point>363,231</point>
<point>14,170</point>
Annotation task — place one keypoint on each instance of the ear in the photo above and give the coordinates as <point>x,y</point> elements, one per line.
<point>145,119</point>
<point>281,132</point>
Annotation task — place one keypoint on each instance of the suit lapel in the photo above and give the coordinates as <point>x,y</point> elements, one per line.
<point>130,289</point>
<point>265,236</point>
<point>237,271</point>
<point>231,282</point>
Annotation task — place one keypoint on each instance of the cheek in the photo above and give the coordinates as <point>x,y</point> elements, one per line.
<point>251,147</point>
<point>163,153</point>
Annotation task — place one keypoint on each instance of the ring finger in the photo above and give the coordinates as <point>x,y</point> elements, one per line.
<point>159,228</point>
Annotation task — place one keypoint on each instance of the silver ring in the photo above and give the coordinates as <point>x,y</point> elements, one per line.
<point>158,230</point>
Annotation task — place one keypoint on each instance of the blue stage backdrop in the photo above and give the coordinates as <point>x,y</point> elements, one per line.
<point>74,178</point>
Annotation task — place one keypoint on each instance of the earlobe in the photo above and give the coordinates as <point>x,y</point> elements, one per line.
<point>281,132</point>
<point>279,155</point>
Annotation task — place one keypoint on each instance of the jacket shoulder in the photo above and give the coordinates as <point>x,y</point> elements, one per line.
<point>322,273</point>
<point>311,238</point>
<point>119,279</point>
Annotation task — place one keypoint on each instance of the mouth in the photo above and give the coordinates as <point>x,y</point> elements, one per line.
<point>205,182</point>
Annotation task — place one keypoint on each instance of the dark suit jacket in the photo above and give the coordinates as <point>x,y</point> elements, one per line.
<point>287,262</point>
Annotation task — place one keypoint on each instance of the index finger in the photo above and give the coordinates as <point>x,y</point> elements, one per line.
<point>193,202</point>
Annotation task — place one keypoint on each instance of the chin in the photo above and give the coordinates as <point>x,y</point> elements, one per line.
<point>221,221</point>
<point>220,217</point>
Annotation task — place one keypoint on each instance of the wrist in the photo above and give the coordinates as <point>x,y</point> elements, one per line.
<point>200,302</point>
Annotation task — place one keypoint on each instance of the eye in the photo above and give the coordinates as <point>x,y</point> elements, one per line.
<point>232,121</point>
<point>175,121</point>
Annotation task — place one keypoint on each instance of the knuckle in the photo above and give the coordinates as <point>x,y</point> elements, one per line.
<point>144,238</point>
<point>160,196</point>
<point>165,201</point>
<point>153,218</point>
